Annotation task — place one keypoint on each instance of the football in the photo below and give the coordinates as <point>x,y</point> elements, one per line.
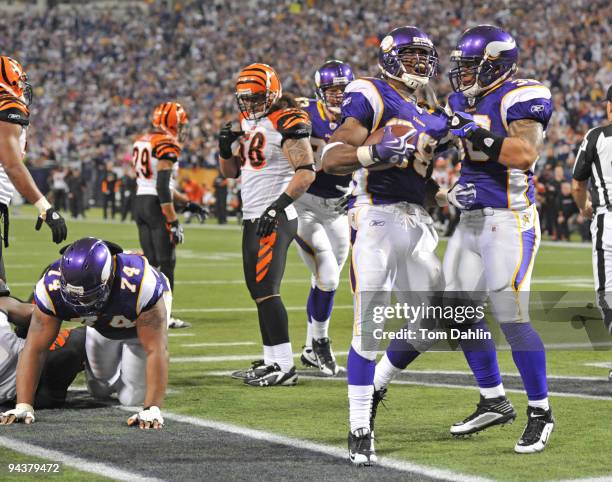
<point>376,137</point>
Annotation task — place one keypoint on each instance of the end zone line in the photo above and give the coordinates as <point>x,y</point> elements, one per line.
<point>397,464</point>
<point>75,462</point>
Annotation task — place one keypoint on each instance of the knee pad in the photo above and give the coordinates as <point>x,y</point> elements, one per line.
<point>130,395</point>
<point>328,272</point>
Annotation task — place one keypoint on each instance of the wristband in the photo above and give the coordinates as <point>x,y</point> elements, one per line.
<point>306,167</point>
<point>42,205</point>
<point>283,201</point>
<point>487,142</point>
<point>329,146</point>
<point>24,407</point>
<point>364,156</point>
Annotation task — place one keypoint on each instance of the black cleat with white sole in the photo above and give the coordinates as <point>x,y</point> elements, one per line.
<point>489,412</point>
<point>249,373</point>
<point>271,375</point>
<point>377,397</point>
<point>361,447</point>
<point>308,358</point>
<point>326,361</point>
<point>540,424</point>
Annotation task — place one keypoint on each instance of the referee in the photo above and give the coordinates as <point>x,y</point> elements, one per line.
<point>594,163</point>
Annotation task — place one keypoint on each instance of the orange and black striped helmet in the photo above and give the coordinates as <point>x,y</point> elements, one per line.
<point>170,117</point>
<point>258,88</point>
<point>14,80</point>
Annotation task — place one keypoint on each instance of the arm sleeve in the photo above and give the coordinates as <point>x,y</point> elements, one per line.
<point>585,156</point>
<point>163,186</point>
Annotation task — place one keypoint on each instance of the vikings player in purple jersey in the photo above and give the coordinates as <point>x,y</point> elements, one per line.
<point>124,303</point>
<point>501,121</point>
<point>323,232</point>
<point>392,235</point>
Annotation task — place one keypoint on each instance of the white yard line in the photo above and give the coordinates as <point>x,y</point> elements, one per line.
<point>55,456</point>
<point>397,464</point>
<point>248,309</point>
<point>599,364</point>
<point>231,343</point>
<point>173,335</point>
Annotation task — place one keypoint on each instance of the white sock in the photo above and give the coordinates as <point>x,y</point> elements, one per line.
<point>283,355</point>
<point>494,392</point>
<point>308,343</point>
<point>319,329</point>
<point>543,404</point>
<point>385,372</point>
<point>360,403</point>
<point>268,354</point>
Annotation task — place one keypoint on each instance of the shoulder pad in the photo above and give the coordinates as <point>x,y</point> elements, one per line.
<point>292,123</point>
<point>13,110</point>
<point>165,147</point>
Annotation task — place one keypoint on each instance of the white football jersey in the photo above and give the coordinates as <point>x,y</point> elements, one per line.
<point>148,150</point>
<point>265,170</point>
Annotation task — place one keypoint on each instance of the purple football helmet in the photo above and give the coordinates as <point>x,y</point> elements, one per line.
<point>330,75</point>
<point>486,55</point>
<point>87,273</point>
<point>407,54</point>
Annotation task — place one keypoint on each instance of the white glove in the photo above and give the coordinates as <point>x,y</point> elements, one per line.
<point>23,412</point>
<point>341,206</point>
<point>148,418</point>
<point>462,196</point>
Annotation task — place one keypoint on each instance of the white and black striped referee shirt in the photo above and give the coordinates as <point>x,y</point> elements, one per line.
<point>594,161</point>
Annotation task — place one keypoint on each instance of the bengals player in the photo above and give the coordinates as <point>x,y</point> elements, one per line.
<point>275,160</point>
<point>15,99</point>
<point>155,161</point>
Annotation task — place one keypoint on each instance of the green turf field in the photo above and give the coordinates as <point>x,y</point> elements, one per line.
<point>210,293</point>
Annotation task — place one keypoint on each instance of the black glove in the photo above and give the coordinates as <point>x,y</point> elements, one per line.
<point>198,210</point>
<point>226,139</point>
<point>57,224</point>
<point>269,219</point>
<point>177,236</point>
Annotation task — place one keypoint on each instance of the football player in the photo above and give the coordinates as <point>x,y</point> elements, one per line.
<point>15,99</point>
<point>323,232</point>
<point>155,161</point>
<point>392,235</point>
<point>125,304</point>
<point>275,161</point>
<point>501,121</point>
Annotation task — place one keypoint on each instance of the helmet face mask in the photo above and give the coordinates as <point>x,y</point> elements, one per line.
<point>331,80</point>
<point>254,106</point>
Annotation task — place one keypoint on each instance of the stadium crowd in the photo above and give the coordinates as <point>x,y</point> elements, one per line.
<point>98,72</point>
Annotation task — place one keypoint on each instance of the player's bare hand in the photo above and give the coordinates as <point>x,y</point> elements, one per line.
<point>22,413</point>
<point>149,418</point>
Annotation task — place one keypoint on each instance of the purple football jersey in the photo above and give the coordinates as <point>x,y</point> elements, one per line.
<point>375,103</point>
<point>323,127</point>
<point>136,288</point>
<point>498,186</point>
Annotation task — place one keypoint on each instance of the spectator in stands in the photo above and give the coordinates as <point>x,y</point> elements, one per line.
<point>76,193</point>
<point>109,188</point>
<point>221,199</point>
<point>567,211</point>
<point>127,191</point>
<point>59,188</point>
<point>194,193</point>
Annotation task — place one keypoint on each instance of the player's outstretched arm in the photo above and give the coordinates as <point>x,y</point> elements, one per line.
<point>340,155</point>
<point>43,330</point>
<point>152,333</point>
<point>301,158</point>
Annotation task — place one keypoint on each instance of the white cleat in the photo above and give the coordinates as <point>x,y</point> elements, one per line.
<point>174,323</point>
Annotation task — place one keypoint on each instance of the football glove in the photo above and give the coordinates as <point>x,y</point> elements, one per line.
<point>462,196</point>
<point>22,412</point>
<point>149,417</point>
<point>341,205</point>
<point>177,236</point>
<point>390,150</point>
<point>268,221</point>
<point>56,222</point>
<point>196,209</point>
<point>226,138</point>
<point>462,124</point>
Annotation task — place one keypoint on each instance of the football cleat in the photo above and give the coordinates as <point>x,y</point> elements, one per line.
<point>489,412</point>
<point>377,397</point>
<point>308,357</point>
<point>540,424</point>
<point>174,323</point>
<point>249,373</point>
<point>271,375</point>
<point>326,361</point>
<point>361,447</point>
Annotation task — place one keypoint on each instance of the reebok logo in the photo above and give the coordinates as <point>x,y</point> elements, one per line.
<point>377,222</point>
<point>488,142</point>
<point>14,116</point>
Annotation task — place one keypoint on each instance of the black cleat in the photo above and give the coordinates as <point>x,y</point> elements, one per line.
<point>540,424</point>
<point>249,373</point>
<point>271,375</point>
<point>489,412</point>
<point>377,398</point>
<point>361,447</point>
<point>326,361</point>
<point>308,357</point>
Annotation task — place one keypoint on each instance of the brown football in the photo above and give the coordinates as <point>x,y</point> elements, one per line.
<point>376,136</point>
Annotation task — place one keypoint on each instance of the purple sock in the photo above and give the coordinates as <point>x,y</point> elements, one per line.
<point>360,370</point>
<point>481,357</point>
<point>401,354</point>
<point>320,304</point>
<point>529,356</point>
